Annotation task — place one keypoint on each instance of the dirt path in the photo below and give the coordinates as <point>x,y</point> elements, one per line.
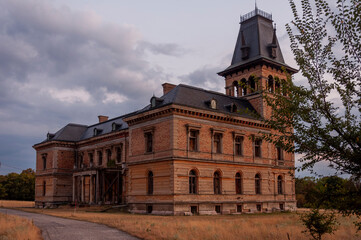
<point>54,228</point>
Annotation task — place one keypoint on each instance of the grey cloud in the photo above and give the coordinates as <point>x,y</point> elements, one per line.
<point>205,77</point>
<point>169,49</point>
<point>59,66</point>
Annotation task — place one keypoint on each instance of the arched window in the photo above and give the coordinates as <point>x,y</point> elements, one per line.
<point>217,183</point>
<point>243,87</point>
<point>192,182</point>
<point>280,184</point>
<point>235,89</point>
<point>257,184</point>
<point>252,84</point>
<point>150,182</point>
<point>44,188</point>
<point>238,179</point>
<point>270,84</point>
<point>277,85</point>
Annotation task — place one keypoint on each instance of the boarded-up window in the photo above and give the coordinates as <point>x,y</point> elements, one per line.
<point>258,184</point>
<point>192,182</point>
<point>217,183</point>
<point>150,182</point>
<point>280,185</point>
<point>193,140</point>
<point>238,183</point>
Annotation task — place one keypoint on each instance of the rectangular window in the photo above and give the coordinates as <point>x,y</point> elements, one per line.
<point>100,158</point>
<point>119,154</point>
<point>257,148</point>
<point>217,142</point>
<point>238,144</point>
<point>81,163</point>
<point>218,209</point>
<point>279,153</point>
<point>282,207</point>
<point>149,208</point>
<point>91,159</point>
<point>193,140</point>
<point>44,157</point>
<point>239,208</point>
<point>148,142</point>
<point>109,155</point>
<point>194,210</point>
<point>259,207</point>
<point>44,188</point>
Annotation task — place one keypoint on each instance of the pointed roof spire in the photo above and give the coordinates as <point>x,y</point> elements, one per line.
<point>255,4</point>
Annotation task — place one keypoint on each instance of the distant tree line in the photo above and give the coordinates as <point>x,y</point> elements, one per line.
<point>328,193</point>
<point>14,186</point>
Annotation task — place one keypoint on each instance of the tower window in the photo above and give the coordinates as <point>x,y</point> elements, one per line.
<point>252,84</point>
<point>270,84</point>
<point>44,158</point>
<point>235,89</point>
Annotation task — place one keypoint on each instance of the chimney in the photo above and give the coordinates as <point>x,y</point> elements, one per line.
<point>102,118</point>
<point>167,87</point>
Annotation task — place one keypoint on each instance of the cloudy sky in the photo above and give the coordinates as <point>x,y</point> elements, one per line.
<point>67,61</point>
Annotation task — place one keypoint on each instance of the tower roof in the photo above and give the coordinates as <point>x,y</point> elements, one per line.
<point>257,42</point>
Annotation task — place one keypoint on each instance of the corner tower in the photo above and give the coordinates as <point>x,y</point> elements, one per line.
<point>257,65</point>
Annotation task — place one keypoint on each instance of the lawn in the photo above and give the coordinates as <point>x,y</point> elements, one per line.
<point>18,228</point>
<point>256,226</point>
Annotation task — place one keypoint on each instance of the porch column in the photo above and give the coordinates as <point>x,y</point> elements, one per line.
<point>82,188</point>
<point>91,189</point>
<point>74,188</point>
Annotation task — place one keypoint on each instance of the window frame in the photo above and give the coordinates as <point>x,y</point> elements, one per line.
<point>150,183</point>
<point>149,140</point>
<point>238,183</point>
<point>44,158</point>
<point>238,145</point>
<point>193,147</point>
<point>257,148</point>
<point>44,188</point>
<point>258,184</point>
<point>196,129</point>
<point>280,185</point>
<point>119,153</point>
<point>217,183</point>
<point>193,182</point>
<point>100,157</point>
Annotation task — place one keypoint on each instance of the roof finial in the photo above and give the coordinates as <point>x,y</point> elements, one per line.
<point>255,4</point>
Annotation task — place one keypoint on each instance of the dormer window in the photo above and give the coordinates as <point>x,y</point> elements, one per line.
<point>213,104</point>
<point>232,107</point>
<point>97,131</point>
<point>49,136</point>
<point>116,126</point>
<point>154,101</point>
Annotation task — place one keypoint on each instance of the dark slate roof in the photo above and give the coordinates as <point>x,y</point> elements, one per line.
<point>104,127</point>
<point>258,35</point>
<point>76,132</point>
<point>199,98</point>
<point>71,132</point>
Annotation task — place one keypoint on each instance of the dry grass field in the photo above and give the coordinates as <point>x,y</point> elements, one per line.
<point>258,226</point>
<point>15,204</point>
<point>17,228</point>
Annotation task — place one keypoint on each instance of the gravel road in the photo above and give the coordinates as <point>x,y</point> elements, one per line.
<point>54,228</point>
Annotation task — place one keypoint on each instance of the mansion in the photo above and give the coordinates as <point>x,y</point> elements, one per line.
<point>190,151</point>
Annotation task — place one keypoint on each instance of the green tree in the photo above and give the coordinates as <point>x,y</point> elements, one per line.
<point>321,120</point>
<point>319,224</point>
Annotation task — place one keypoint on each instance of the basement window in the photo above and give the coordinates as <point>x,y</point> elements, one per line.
<point>239,208</point>
<point>149,209</point>
<point>259,207</point>
<point>282,207</point>
<point>218,209</point>
<point>194,210</point>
